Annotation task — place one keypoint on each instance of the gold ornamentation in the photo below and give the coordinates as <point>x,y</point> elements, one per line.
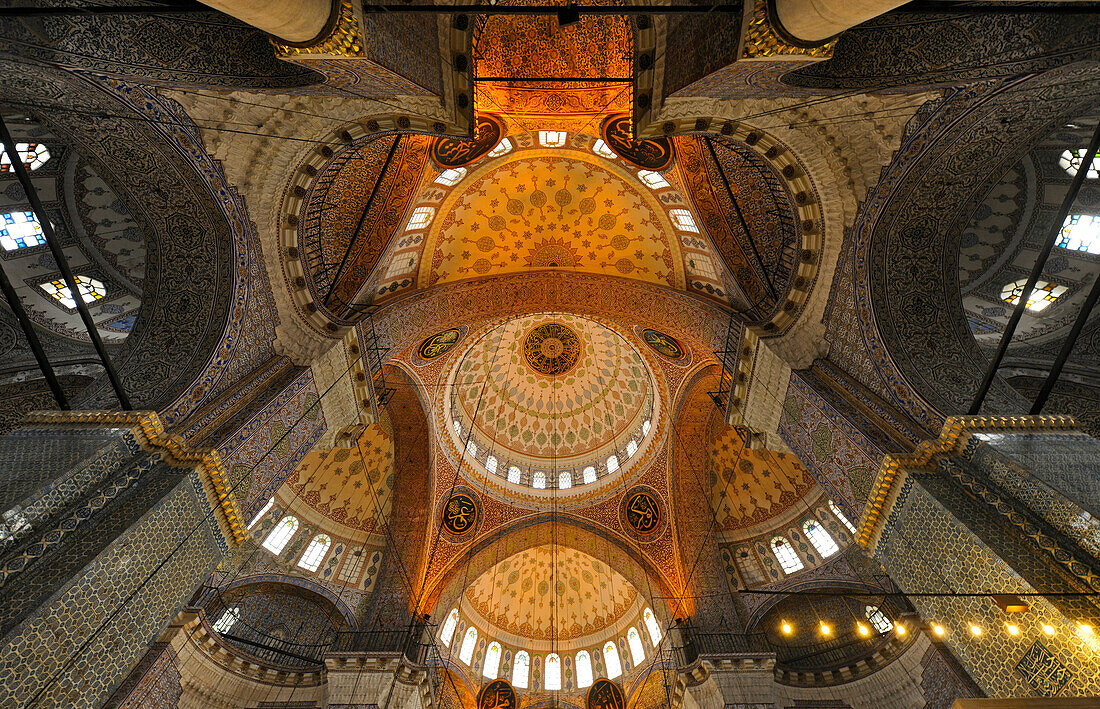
<point>345,40</point>
<point>439,344</point>
<point>643,514</point>
<point>460,514</point>
<point>498,694</point>
<point>762,41</point>
<point>667,345</point>
<point>552,349</point>
<point>605,694</point>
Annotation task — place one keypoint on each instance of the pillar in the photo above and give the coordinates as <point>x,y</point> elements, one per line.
<point>813,22</point>
<point>293,21</point>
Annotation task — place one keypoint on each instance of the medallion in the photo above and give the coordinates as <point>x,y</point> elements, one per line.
<point>551,349</point>
<point>439,344</point>
<point>642,511</point>
<point>605,694</point>
<point>649,154</point>
<point>498,694</point>
<point>457,152</point>
<point>459,514</point>
<point>661,343</point>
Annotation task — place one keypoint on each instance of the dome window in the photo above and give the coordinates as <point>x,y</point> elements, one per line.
<point>682,220</point>
<point>227,620</point>
<point>91,290</point>
<point>821,539</point>
<point>1080,232</point>
<point>20,230</point>
<point>420,218</point>
<point>637,652</point>
<point>1071,162</point>
<point>315,552</point>
<point>653,180</point>
<point>33,155</point>
<point>589,475</point>
<point>553,672</point>
<point>514,475</point>
<point>466,654</point>
<point>611,660</point>
<point>449,626</point>
<point>840,515</point>
<point>786,556</point>
<point>503,148</point>
<point>521,669</point>
<point>279,537</point>
<point>492,661</point>
<point>600,148</point>
<point>451,176</point>
<point>878,619</point>
<point>1041,297</point>
<point>565,480</point>
<point>552,138</point>
<point>584,669</point>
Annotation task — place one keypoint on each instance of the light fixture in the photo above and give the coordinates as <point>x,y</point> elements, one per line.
<point>938,629</point>
<point>975,630</point>
<point>1048,629</point>
<point>825,629</point>
<point>1012,629</point>
<point>1084,629</point>
<point>568,15</point>
<point>786,628</point>
<point>863,629</point>
<point>900,628</point>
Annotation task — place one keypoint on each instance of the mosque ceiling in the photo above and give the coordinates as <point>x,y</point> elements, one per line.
<point>750,486</point>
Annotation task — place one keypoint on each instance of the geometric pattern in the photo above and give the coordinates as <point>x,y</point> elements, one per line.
<point>750,486</point>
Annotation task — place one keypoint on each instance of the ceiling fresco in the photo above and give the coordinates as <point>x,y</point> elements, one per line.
<point>750,486</point>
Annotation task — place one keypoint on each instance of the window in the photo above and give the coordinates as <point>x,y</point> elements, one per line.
<point>634,641</point>
<point>401,264</point>
<point>1080,232</point>
<point>589,475</point>
<point>449,626</point>
<point>284,531</point>
<point>840,515</point>
<point>553,672</point>
<point>353,564</point>
<point>492,661</point>
<point>821,539</point>
<point>262,512</point>
<point>503,148</point>
<point>600,148</point>
<point>565,480</point>
<point>471,447</point>
<point>631,447</point>
<point>612,463</point>
<point>645,427</point>
<point>1070,162</point>
<point>538,480</point>
<point>227,620</point>
<point>703,266</point>
<point>611,660</point>
<point>652,627</point>
<point>1044,294</point>
<point>653,180</point>
<point>420,218</point>
<point>90,289</point>
<point>458,428</point>
<point>20,230</point>
<point>878,619</point>
<point>521,669</point>
<point>552,138</point>
<point>451,177</point>
<point>584,668</point>
<point>784,553</point>
<point>35,155</point>
<point>682,220</point>
<point>491,464</point>
<point>315,552</point>
<point>466,654</point>
<point>514,474</point>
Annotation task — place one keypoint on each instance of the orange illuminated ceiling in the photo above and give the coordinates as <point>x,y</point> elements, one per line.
<point>515,55</point>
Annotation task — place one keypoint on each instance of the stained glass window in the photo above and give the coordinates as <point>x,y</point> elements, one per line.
<point>1071,163</point>
<point>91,290</point>
<point>611,660</point>
<point>653,180</point>
<point>552,138</point>
<point>451,176</point>
<point>315,552</point>
<point>821,539</point>
<point>520,669</point>
<point>538,480</point>
<point>466,653</point>
<point>682,220</point>
<point>600,148</point>
<point>634,641</point>
<point>420,218</point>
<point>514,474</point>
<point>1080,232</point>
<point>228,619</point>
<point>565,480</point>
<point>20,230</point>
<point>651,626</point>
<point>1041,297</point>
<point>584,669</point>
<point>878,619</point>
<point>589,475</point>
<point>786,555</point>
<point>353,564</point>
<point>553,672</point>
<point>33,155</point>
<point>449,626</point>
<point>263,511</point>
<point>503,148</point>
<point>282,533</point>
<point>492,661</point>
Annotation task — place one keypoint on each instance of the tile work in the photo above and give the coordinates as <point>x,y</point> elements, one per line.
<point>1067,462</point>
<point>154,683</point>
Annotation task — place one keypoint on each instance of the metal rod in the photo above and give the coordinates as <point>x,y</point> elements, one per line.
<point>16,306</point>
<point>62,263</point>
<point>1036,271</point>
<point>1067,346</point>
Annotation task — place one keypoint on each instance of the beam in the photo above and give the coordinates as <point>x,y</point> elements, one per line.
<point>16,306</point>
<point>1071,340</point>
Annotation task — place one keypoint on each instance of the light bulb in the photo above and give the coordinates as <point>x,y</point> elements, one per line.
<point>938,629</point>
<point>863,629</point>
<point>786,628</point>
<point>1084,629</point>
<point>825,630</point>
<point>1048,629</point>
<point>1012,629</point>
<point>975,629</point>
<point>900,628</point>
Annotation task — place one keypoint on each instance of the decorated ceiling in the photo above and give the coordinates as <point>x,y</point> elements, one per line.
<point>750,486</point>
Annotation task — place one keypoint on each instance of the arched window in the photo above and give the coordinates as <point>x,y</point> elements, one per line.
<point>1070,161</point>
<point>503,147</point>
<point>315,552</point>
<point>600,148</point>
<point>584,669</point>
<point>466,652</point>
<point>652,627</point>
<point>784,553</point>
<point>283,532</point>
<point>538,480</point>
<point>228,619</point>
<point>631,447</point>
<point>611,660</point>
<point>821,539</point>
<point>521,669</point>
<point>840,515</point>
<point>20,230</point>
<point>1080,232</point>
<point>90,289</point>
<point>653,180</point>
<point>682,220</point>
<point>589,475</point>
<point>491,464</point>
<point>451,177</point>
<point>420,218</point>
<point>1042,296</point>
<point>263,511</point>
<point>553,672</point>
<point>449,626</point>
<point>514,474</point>
<point>565,480</point>
<point>645,427</point>
<point>471,447</point>
<point>878,619</point>
<point>35,155</point>
<point>458,428</point>
<point>612,463</point>
<point>353,564</point>
<point>492,661</point>
<point>552,138</point>
<point>634,641</point>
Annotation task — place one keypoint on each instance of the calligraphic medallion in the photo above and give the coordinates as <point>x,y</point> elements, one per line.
<point>1043,670</point>
<point>498,694</point>
<point>551,349</point>
<point>439,344</point>
<point>661,343</point>
<point>642,512</point>
<point>460,514</point>
<point>457,152</point>
<point>648,154</point>
<point>605,694</point>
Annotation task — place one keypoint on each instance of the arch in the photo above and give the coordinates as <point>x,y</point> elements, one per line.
<point>652,627</point>
<point>315,553</point>
<point>491,665</point>
<point>551,676</point>
<point>821,540</point>
<point>611,660</point>
<point>584,669</point>
<point>281,534</point>
<point>469,642</point>
<point>785,554</point>
<point>521,670</point>
<point>634,642</point>
<point>448,631</point>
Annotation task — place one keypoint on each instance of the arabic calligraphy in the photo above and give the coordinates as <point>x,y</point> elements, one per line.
<point>551,349</point>
<point>456,152</point>
<point>459,514</point>
<point>498,694</point>
<point>667,345</point>
<point>439,344</point>
<point>650,154</point>
<point>1043,670</point>
<point>643,514</point>
<point>605,694</point>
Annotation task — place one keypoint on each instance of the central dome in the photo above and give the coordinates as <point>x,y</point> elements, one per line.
<point>548,393</point>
